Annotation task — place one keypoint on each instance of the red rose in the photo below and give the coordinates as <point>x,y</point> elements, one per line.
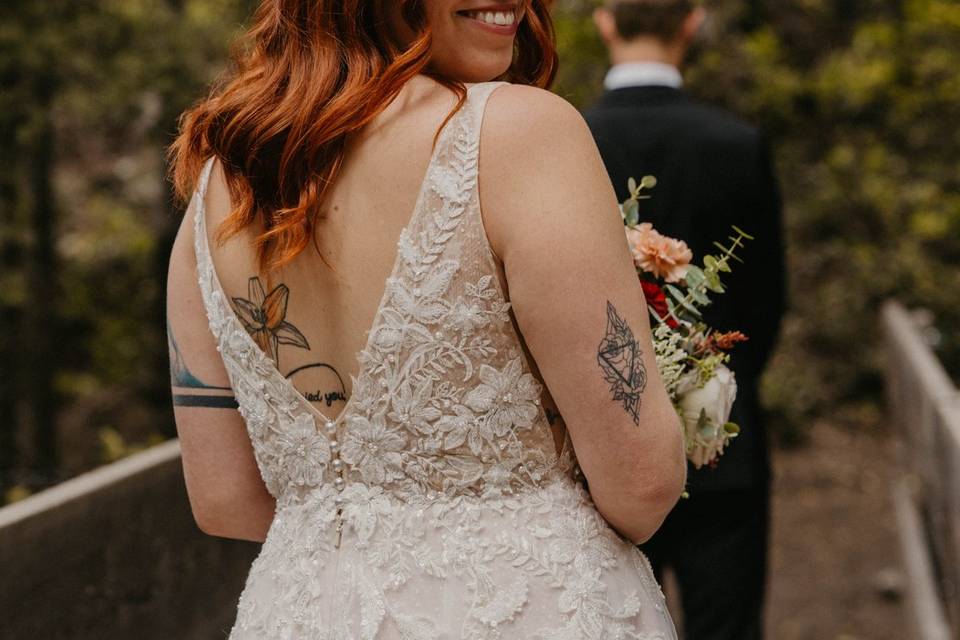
<point>657,300</point>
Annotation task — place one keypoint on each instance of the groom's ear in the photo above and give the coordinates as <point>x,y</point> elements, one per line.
<point>606,24</point>
<point>692,24</point>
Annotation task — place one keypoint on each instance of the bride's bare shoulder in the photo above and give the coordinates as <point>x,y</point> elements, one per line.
<point>518,115</point>
<point>532,138</point>
<point>537,158</point>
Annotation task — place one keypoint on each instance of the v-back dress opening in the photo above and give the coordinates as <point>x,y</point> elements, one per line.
<point>435,505</point>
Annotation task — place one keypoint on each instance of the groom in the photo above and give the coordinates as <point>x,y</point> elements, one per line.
<point>714,171</point>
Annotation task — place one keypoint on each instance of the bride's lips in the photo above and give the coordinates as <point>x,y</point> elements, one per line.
<point>502,19</point>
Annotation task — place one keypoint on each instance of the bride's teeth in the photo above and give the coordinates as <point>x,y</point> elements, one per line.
<point>498,18</point>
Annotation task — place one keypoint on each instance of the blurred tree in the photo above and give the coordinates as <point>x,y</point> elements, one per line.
<point>32,48</point>
<point>91,94</point>
<point>11,251</point>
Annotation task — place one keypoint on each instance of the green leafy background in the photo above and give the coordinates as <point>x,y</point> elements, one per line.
<point>860,97</point>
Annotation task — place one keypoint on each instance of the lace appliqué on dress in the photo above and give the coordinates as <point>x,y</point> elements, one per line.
<point>458,518</point>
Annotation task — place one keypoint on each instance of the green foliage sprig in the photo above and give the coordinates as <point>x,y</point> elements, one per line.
<point>630,208</point>
<point>701,281</point>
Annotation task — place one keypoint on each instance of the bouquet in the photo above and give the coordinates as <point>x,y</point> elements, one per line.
<point>691,356</point>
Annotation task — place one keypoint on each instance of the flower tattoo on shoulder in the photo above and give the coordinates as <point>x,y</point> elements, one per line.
<point>264,317</point>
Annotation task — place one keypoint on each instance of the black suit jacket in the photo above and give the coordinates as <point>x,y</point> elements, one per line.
<point>713,171</point>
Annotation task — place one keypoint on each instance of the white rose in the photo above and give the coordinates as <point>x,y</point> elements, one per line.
<point>714,400</point>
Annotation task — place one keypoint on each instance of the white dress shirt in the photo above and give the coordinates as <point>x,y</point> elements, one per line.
<point>642,74</point>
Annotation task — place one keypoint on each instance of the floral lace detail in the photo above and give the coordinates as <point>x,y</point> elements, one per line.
<point>303,452</point>
<point>374,449</point>
<point>457,517</point>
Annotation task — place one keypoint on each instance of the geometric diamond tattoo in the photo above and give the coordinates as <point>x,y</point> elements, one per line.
<point>621,362</point>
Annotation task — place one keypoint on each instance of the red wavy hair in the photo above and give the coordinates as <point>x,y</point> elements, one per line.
<point>308,74</point>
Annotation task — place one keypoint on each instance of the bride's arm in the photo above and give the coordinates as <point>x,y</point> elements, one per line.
<point>551,216</point>
<point>227,494</point>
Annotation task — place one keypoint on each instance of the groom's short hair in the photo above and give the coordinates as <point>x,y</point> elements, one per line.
<point>659,18</point>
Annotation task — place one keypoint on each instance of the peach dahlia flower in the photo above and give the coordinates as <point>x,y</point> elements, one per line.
<point>658,254</point>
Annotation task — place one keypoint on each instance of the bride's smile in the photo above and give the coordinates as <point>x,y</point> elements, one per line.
<point>470,40</point>
<point>500,19</point>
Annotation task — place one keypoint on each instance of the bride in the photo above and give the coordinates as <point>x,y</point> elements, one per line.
<point>409,352</point>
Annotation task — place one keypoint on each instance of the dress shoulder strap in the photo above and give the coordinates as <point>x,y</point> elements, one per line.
<point>477,97</point>
<point>214,300</point>
<point>199,222</point>
<point>453,170</point>
<point>479,94</point>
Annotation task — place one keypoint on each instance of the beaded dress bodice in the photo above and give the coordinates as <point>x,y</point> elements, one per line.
<point>436,504</point>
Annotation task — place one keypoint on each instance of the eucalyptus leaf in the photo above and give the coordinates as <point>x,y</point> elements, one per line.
<point>677,295</point>
<point>681,299</point>
<point>699,297</point>
<point>713,282</point>
<point>695,276</point>
<point>632,213</point>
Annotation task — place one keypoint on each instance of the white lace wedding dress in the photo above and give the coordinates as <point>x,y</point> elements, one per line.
<point>435,506</point>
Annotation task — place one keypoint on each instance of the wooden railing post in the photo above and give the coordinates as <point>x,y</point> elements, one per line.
<point>924,406</point>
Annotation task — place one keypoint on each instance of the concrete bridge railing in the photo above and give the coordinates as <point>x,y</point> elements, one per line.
<point>924,405</point>
<point>115,554</point>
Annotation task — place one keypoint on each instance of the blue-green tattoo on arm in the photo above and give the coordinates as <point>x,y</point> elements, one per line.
<point>188,389</point>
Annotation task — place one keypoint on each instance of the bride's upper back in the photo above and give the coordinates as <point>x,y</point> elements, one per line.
<point>315,313</point>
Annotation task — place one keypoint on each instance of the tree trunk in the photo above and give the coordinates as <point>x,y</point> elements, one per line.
<point>10,263</point>
<point>39,355</point>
